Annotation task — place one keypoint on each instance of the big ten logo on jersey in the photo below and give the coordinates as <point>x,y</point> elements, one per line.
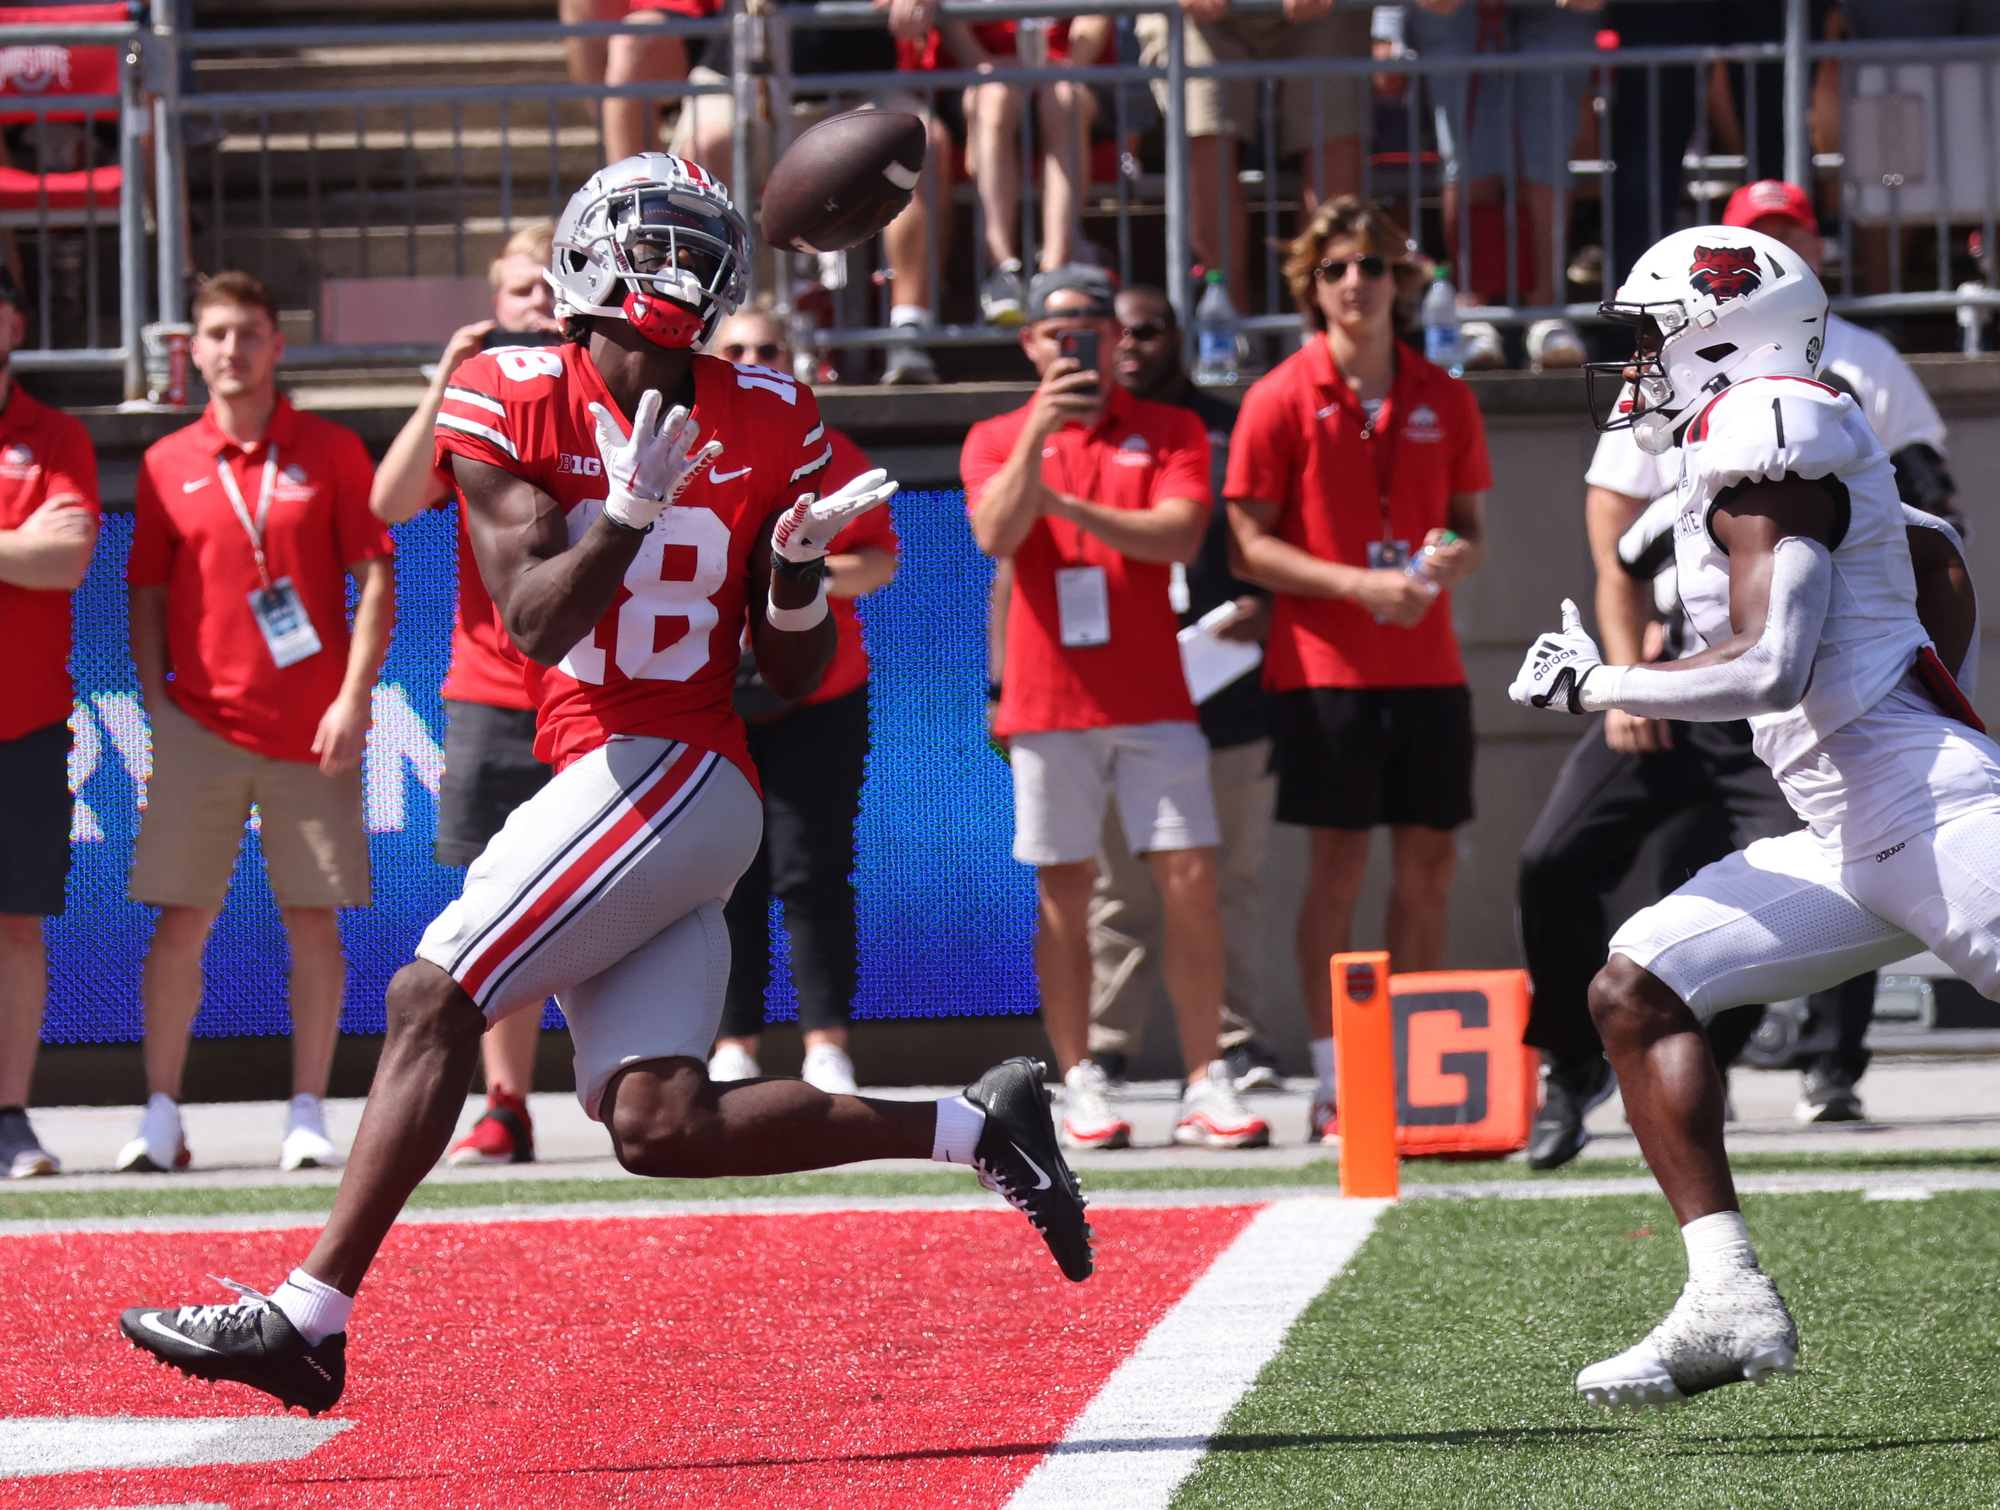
<point>1465,1083</point>
<point>581,466</point>
<point>526,363</point>
<point>661,631</point>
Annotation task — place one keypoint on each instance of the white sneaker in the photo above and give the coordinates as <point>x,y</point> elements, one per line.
<point>732,1062</point>
<point>829,1069</point>
<point>1213,1115</point>
<point>1479,346</point>
<point>158,1145</point>
<point>306,1144</point>
<point>1553,344</point>
<point>1088,1120</point>
<point>1723,1333</point>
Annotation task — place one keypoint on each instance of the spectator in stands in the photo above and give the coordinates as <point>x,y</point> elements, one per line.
<point>1483,121</point>
<point>489,742</point>
<point>632,123</point>
<point>810,757</point>
<point>1236,721</point>
<point>1091,493</point>
<point>1318,122</point>
<point>1349,458</point>
<point>587,57</point>
<point>1063,114</point>
<point>706,134</point>
<point>48,527</point>
<point>247,526</point>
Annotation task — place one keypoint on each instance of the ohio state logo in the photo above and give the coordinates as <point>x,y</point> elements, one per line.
<point>31,70</point>
<point>1725,272</point>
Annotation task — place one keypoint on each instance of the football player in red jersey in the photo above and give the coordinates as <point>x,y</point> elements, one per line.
<point>629,504</point>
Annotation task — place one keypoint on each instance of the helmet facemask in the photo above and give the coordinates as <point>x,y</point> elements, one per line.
<point>668,261</point>
<point>1644,400</point>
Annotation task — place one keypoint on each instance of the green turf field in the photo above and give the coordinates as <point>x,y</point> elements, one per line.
<point>1436,1371</point>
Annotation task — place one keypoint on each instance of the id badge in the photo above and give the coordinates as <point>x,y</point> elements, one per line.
<point>1391,554</point>
<point>1083,604</point>
<point>288,629</point>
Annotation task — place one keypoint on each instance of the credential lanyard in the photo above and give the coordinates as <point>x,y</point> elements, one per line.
<point>1382,432</point>
<point>254,528</point>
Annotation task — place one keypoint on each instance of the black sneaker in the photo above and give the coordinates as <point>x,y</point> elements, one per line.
<point>22,1156</point>
<point>1003,295</point>
<point>1017,1157</point>
<point>250,1342</point>
<point>1569,1092</point>
<point>1827,1095</point>
<point>1253,1067</point>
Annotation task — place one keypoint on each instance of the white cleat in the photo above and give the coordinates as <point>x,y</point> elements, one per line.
<point>157,1146</point>
<point>306,1144</point>
<point>1728,1332</point>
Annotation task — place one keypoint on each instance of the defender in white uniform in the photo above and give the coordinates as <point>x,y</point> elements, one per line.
<point>1796,569</point>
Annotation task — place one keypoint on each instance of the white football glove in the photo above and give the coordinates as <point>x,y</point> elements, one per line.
<point>807,528</point>
<point>651,467</point>
<point>1552,675</point>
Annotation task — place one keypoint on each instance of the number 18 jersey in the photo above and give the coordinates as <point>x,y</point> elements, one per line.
<point>662,660</point>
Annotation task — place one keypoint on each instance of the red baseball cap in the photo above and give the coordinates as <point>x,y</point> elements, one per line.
<point>1770,196</point>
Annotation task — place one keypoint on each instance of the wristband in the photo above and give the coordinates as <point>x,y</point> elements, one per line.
<point>612,517</point>
<point>811,573</point>
<point>798,620</point>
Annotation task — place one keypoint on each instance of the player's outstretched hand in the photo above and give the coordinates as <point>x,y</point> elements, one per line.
<point>1552,675</point>
<point>651,467</point>
<point>807,528</point>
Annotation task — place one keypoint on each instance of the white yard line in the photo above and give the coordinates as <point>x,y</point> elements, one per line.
<point>1152,1421</point>
<point>1881,1185</point>
<point>35,1445</point>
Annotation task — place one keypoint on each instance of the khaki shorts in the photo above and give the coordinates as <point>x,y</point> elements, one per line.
<point>1156,773</point>
<point>718,112</point>
<point>1236,107</point>
<point>198,801</point>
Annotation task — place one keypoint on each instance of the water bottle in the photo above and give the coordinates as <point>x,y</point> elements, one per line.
<point>1440,319</point>
<point>1418,567</point>
<point>1215,334</point>
<point>1971,321</point>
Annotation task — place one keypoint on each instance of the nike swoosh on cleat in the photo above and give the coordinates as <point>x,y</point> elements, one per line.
<point>715,476</point>
<point>1039,1174</point>
<point>152,1323</point>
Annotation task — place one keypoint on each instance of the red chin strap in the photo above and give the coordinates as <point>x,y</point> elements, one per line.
<point>663,321</point>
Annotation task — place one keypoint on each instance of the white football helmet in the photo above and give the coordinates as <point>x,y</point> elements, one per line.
<point>1712,306</point>
<point>655,240</point>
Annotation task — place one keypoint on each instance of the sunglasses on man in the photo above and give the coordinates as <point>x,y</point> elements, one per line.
<point>1374,265</point>
<point>1146,330</point>
<point>764,351</point>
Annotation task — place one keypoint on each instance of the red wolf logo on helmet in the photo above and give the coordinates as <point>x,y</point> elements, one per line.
<point>1725,272</point>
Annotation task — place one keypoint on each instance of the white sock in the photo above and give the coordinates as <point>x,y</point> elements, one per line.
<point>1718,1246</point>
<point>1322,1053</point>
<point>317,1310</point>
<point>959,1124</point>
<point>909,314</point>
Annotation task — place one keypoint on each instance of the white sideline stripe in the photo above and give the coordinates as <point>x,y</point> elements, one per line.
<point>35,1445</point>
<point>972,1200</point>
<point>1151,1422</point>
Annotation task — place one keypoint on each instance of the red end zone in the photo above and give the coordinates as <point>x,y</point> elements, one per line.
<point>852,1358</point>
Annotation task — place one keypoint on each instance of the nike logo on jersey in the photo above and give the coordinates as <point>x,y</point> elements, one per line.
<point>718,476</point>
<point>199,482</point>
<point>152,1323</point>
<point>1040,1174</point>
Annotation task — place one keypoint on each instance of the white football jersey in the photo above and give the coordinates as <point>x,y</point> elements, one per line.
<point>1866,759</point>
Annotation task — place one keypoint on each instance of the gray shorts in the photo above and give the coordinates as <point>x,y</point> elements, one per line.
<point>1158,774</point>
<point>605,890</point>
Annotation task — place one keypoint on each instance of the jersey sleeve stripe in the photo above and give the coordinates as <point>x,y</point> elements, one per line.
<point>477,400</point>
<point>816,433</point>
<point>815,464</point>
<point>484,432</point>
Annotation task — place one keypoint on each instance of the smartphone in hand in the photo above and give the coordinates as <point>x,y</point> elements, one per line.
<point>1081,346</point>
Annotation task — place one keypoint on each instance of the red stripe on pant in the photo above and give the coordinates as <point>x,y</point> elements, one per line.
<point>571,879</point>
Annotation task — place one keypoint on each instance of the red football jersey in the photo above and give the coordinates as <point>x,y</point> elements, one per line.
<point>662,661</point>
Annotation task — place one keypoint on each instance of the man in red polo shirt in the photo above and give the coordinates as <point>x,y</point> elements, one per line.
<point>247,525</point>
<point>48,527</point>
<point>1352,462</point>
<point>1091,494</point>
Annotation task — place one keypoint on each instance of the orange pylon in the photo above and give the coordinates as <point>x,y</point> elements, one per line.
<point>1365,1068</point>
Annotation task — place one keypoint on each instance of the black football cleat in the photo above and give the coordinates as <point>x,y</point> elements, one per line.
<point>251,1342</point>
<point>1571,1090</point>
<point>1018,1158</point>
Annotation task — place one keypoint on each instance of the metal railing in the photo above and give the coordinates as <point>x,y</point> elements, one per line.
<point>371,178</point>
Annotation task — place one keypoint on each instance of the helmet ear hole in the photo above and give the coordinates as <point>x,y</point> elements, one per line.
<point>1716,352</point>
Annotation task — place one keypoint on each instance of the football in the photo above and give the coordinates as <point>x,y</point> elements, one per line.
<point>843,180</point>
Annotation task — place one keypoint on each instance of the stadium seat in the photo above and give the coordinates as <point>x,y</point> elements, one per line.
<point>40,71</point>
